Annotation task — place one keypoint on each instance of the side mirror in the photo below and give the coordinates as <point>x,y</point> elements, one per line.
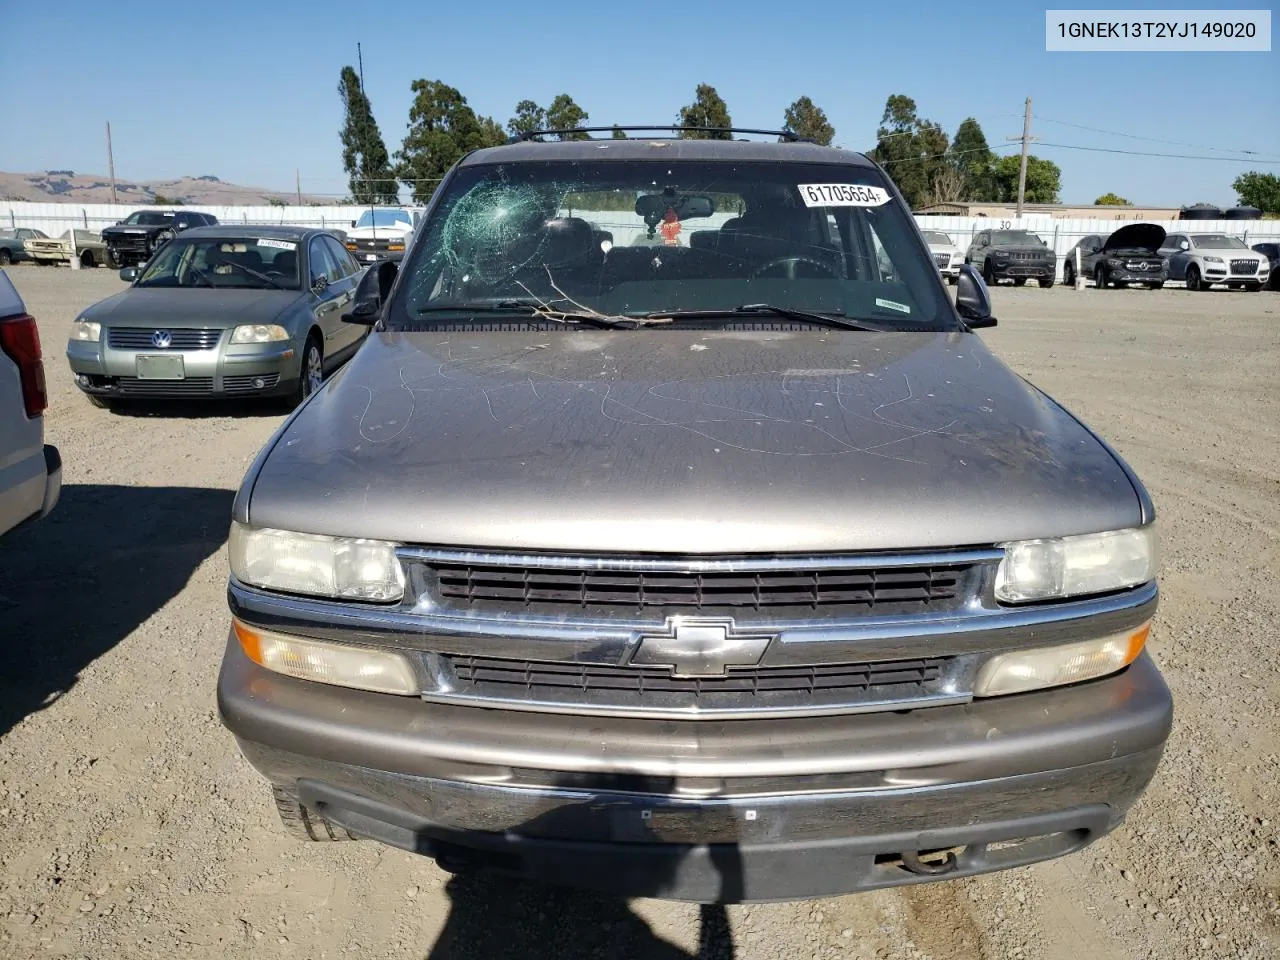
<point>320,284</point>
<point>1184,245</point>
<point>129,274</point>
<point>353,223</point>
<point>371,293</point>
<point>973,300</point>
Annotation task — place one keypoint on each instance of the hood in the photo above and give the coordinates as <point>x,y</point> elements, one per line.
<point>369,233</point>
<point>944,248</point>
<point>688,442</point>
<point>136,228</point>
<point>1039,248</point>
<point>1136,236</point>
<point>191,307</point>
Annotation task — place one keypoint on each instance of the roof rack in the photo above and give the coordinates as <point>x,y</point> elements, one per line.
<point>789,135</point>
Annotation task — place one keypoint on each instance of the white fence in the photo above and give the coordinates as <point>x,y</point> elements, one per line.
<point>54,218</point>
<point>1060,235</point>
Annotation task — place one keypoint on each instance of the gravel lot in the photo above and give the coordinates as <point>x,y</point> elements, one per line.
<point>130,826</point>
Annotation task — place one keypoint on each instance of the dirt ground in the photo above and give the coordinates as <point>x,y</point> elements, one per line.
<point>131,827</point>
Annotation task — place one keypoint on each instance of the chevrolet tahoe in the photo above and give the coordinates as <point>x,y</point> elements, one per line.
<point>731,571</point>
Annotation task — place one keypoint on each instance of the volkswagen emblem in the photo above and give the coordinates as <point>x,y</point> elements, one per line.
<point>162,339</point>
<point>697,647</point>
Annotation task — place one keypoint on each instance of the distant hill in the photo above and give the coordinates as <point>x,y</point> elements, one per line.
<point>54,186</point>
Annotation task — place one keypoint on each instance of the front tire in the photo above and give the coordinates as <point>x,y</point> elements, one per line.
<point>6,257</point>
<point>1100,278</point>
<point>310,370</point>
<point>303,823</point>
<point>87,260</point>
<point>1193,279</point>
<point>1068,276</point>
<point>988,275</point>
<point>102,403</point>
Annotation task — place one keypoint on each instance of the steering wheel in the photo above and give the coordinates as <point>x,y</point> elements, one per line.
<point>790,263</point>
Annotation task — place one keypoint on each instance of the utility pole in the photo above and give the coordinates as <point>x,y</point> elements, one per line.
<point>297,183</point>
<point>1026,139</point>
<point>111,164</point>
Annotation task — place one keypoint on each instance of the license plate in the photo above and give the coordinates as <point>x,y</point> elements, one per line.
<point>161,368</point>
<point>371,257</point>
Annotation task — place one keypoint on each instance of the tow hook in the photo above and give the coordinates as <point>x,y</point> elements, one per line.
<point>911,861</point>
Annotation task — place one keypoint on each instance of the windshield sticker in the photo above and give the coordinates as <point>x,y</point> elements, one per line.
<point>278,244</point>
<point>893,305</point>
<point>842,195</point>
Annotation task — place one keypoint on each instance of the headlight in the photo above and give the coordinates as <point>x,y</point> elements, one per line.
<point>1212,259</point>
<point>259,333</point>
<point>320,566</point>
<point>346,665</point>
<point>1074,566</point>
<point>1113,262</point>
<point>86,331</point>
<point>1024,670</point>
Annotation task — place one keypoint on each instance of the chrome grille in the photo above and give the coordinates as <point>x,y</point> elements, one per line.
<point>942,259</point>
<point>245,383</point>
<point>559,686</point>
<point>1026,256</point>
<point>1246,268</point>
<point>856,591</point>
<point>134,387</point>
<point>183,338</point>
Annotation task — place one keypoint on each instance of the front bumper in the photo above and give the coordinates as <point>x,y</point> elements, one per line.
<point>1014,269</point>
<point>744,810</point>
<point>249,370</point>
<point>1123,275</point>
<point>372,251</point>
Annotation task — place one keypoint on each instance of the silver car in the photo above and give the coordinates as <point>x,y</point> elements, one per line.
<point>30,469</point>
<point>222,311</point>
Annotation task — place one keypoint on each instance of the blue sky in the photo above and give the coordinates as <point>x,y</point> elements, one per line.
<point>247,91</point>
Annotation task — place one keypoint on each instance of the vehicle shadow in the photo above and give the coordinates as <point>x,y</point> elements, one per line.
<point>200,409</point>
<point>79,581</point>
<point>496,916</point>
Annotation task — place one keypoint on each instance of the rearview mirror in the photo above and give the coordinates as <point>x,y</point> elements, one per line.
<point>973,300</point>
<point>129,274</point>
<point>353,223</point>
<point>654,206</point>
<point>371,293</point>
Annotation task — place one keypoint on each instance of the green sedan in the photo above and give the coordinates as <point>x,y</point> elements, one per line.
<point>222,311</point>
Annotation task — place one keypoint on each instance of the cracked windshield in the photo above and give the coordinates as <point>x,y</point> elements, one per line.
<point>654,241</point>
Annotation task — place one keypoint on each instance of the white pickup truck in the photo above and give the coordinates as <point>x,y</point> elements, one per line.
<point>381,233</point>
<point>30,469</point>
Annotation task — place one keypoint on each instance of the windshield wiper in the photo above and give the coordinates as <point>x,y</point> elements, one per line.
<point>252,272</point>
<point>532,308</point>
<point>833,319</point>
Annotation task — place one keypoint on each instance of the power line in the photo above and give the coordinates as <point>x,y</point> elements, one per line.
<point>1134,136</point>
<point>1146,153</point>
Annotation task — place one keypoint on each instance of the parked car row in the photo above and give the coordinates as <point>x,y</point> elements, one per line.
<point>379,234</point>
<point>1137,254</point>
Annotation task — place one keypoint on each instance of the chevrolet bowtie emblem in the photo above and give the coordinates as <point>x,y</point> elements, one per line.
<point>696,647</point>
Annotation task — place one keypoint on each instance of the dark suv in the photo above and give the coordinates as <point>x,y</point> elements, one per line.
<point>1016,255</point>
<point>690,545</point>
<point>1128,255</point>
<point>134,239</point>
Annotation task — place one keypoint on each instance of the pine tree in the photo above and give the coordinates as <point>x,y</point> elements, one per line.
<point>364,155</point>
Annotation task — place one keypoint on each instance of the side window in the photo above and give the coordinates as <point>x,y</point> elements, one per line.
<point>321,261</point>
<point>346,266</point>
